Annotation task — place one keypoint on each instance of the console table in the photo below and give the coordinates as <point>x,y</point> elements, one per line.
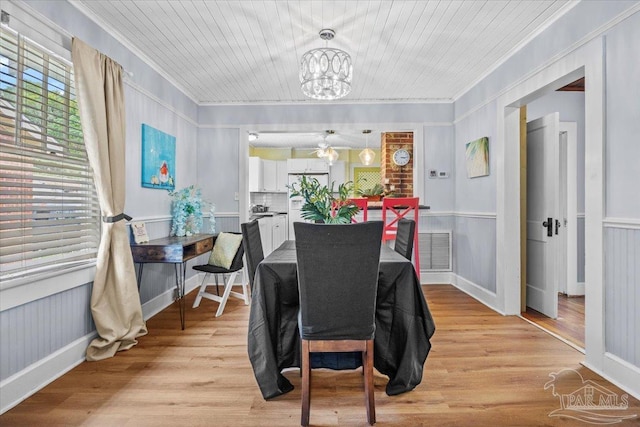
<point>176,251</point>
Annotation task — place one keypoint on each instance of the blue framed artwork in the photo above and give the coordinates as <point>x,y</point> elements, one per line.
<point>158,159</point>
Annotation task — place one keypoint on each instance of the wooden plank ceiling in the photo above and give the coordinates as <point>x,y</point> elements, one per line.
<point>249,51</point>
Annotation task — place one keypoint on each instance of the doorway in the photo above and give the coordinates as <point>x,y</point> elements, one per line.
<point>552,183</point>
<point>587,61</point>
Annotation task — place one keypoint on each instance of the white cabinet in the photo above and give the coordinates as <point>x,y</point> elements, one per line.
<point>279,231</point>
<point>337,174</point>
<point>265,224</point>
<point>273,232</point>
<point>317,166</point>
<point>255,174</point>
<point>307,166</point>
<point>282,176</point>
<point>269,175</point>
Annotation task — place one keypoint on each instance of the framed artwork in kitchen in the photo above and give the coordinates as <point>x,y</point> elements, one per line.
<point>158,159</point>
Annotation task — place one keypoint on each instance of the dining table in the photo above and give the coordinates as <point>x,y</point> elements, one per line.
<point>404,325</point>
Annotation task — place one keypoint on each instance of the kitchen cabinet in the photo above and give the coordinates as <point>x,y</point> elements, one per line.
<point>307,166</point>
<point>282,176</point>
<point>279,231</point>
<point>269,175</point>
<point>273,232</point>
<point>265,224</point>
<point>337,174</point>
<point>255,174</point>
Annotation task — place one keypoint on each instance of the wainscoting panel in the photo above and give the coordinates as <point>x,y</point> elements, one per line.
<point>32,331</point>
<point>622,293</point>
<point>474,250</point>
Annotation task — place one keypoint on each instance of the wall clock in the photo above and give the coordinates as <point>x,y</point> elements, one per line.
<point>401,157</point>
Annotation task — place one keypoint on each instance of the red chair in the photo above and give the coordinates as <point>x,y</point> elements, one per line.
<point>362,204</point>
<point>394,209</point>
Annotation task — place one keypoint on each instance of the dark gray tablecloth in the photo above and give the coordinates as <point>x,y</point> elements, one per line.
<point>403,324</point>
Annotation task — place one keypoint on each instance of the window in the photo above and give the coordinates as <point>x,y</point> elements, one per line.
<point>49,211</point>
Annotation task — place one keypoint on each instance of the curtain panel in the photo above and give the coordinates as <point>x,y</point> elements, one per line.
<point>115,301</point>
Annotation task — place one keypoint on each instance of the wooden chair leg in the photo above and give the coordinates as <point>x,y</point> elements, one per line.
<point>203,285</point>
<point>368,384</point>
<point>306,384</point>
<point>226,293</point>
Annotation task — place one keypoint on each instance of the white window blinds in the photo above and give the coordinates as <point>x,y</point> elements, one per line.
<point>49,211</point>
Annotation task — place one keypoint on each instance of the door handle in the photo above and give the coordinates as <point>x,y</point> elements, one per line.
<point>549,224</point>
<point>557,226</point>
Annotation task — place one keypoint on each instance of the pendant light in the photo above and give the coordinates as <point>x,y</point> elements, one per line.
<point>367,155</point>
<point>325,73</point>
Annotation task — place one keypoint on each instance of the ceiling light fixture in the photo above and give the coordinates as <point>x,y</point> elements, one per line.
<point>253,136</point>
<point>326,151</point>
<point>367,155</point>
<point>325,73</point>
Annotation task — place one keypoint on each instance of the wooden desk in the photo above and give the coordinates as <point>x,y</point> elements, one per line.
<point>176,251</point>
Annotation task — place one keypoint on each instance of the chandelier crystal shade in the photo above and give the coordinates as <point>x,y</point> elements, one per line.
<point>325,73</point>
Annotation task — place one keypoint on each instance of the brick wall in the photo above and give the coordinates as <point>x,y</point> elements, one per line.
<point>401,177</point>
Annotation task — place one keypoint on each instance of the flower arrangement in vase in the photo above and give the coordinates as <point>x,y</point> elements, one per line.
<point>186,211</point>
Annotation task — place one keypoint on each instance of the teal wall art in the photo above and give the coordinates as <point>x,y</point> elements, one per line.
<point>158,159</point>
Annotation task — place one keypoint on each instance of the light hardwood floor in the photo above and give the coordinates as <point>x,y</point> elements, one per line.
<point>570,322</point>
<point>484,369</point>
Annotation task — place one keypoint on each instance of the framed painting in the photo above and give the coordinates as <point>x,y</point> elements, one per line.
<point>477,156</point>
<point>158,159</point>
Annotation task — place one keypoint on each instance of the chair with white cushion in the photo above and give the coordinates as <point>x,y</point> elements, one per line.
<point>226,260</point>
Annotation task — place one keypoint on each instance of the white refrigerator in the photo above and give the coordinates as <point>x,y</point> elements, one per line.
<point>295,203</point>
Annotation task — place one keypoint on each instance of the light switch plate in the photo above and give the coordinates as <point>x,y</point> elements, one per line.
<point>443,174</point>
<point>433,173</point>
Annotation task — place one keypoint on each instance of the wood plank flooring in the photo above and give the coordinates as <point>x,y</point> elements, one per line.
<point>484,369</point>
<point>570,322</point>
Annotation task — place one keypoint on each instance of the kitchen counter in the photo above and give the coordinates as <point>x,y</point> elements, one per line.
<point>372,206</point>
<point>258,215</point>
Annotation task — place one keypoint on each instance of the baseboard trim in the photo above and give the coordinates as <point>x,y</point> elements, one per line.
<point>36,376</point>
<point>436,277</point>
<point>165,299</point>
<point>488,298</point>
<point>619,372</point>
<point>576,290</point>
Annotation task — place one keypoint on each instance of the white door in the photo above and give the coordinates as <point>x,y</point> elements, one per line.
<point>542,214</point>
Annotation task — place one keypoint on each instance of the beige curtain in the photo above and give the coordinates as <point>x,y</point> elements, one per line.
<point>115,302</point>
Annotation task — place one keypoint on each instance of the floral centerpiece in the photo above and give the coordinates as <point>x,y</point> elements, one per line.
<point>320,205</point>
<point>186,210</point>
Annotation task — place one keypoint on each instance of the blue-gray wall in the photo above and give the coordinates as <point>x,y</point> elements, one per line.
<point>475,116</point>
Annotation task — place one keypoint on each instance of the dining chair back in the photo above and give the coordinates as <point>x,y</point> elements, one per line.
<point>252,248</point>
<point>229,274</point>
<point>337,282</point>
<point>362,203</point>
<point>393,210</point>
<point>404,238</point>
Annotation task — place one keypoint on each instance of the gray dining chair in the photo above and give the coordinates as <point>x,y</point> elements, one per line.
<point>404,238</point>
<point>338,282</point>
<point>252,248</point>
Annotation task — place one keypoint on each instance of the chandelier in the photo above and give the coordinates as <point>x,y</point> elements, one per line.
<point>367,155</point>
<point>325,73</point>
